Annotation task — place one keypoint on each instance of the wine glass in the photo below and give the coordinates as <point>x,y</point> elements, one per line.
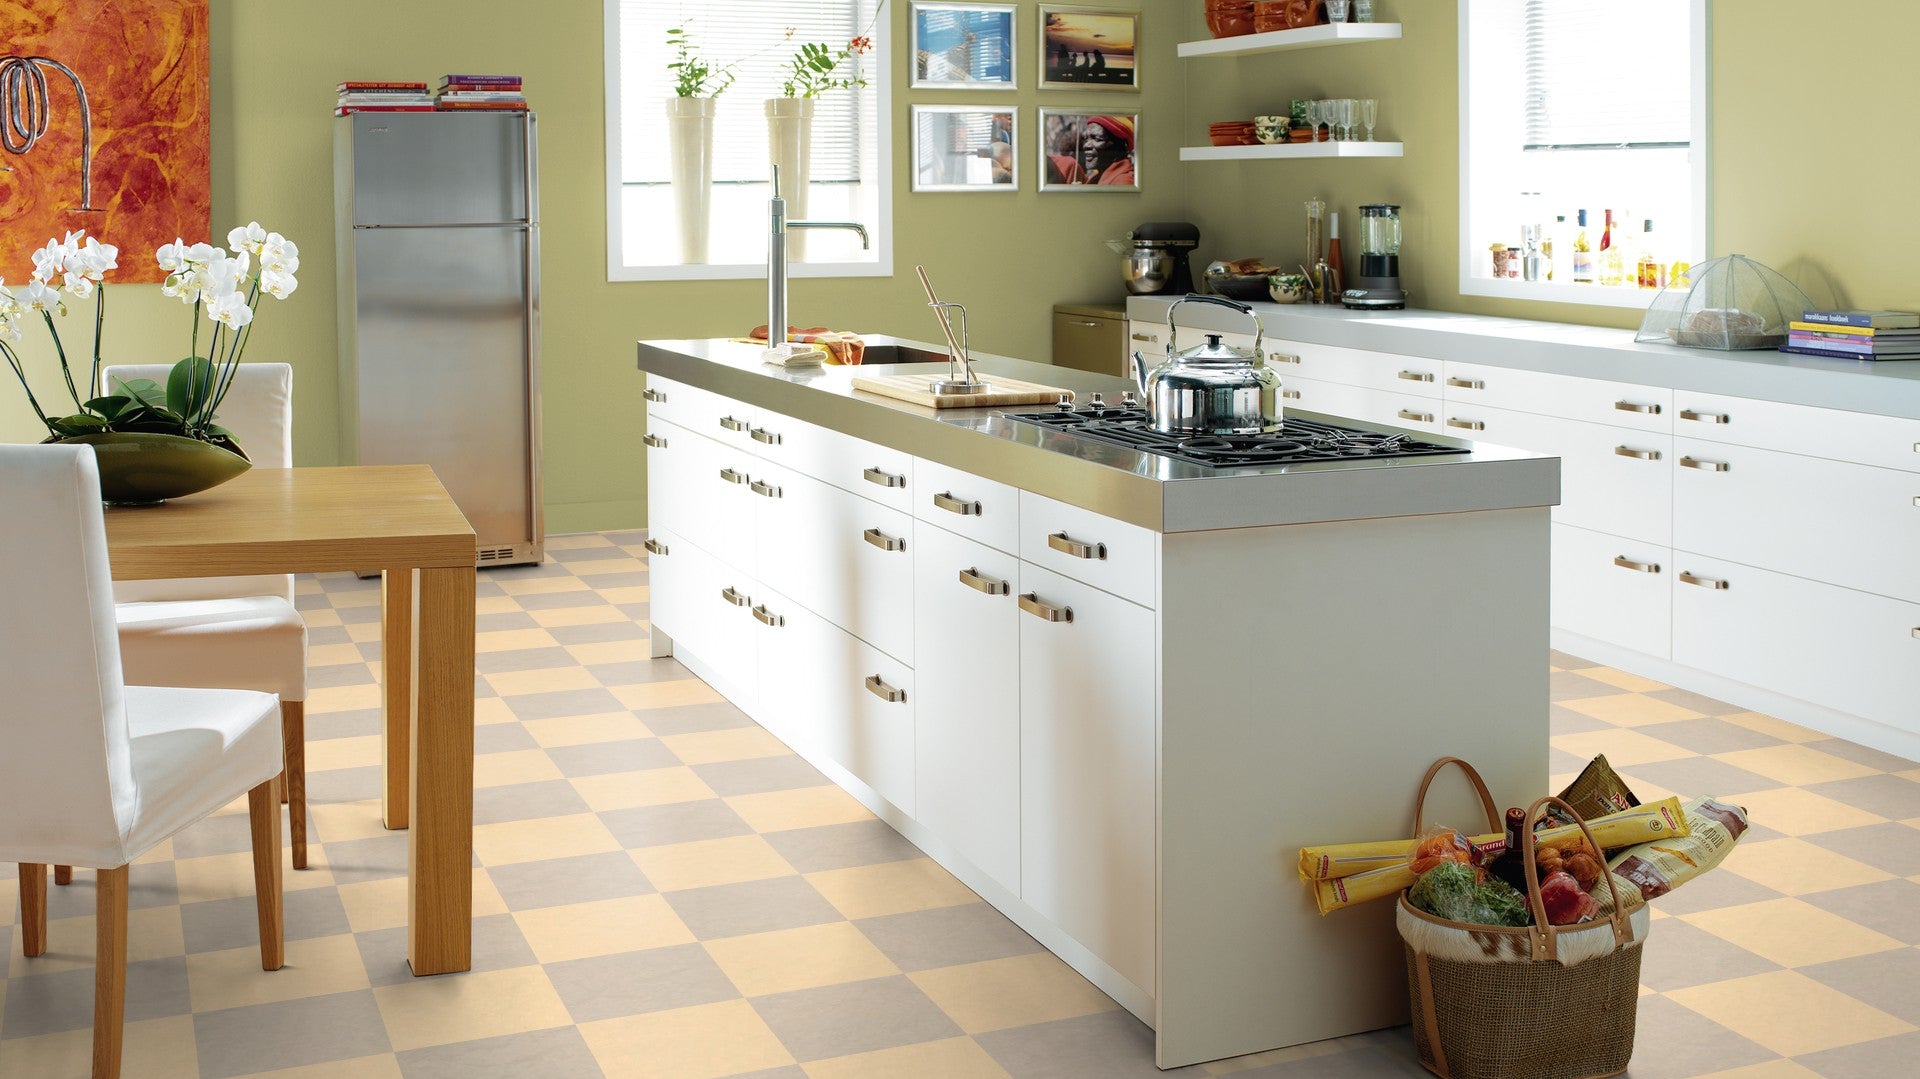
<point>1346,119</point>
<point>1313,119</point>
<point>1369,112</point>
<point>1327,116</point>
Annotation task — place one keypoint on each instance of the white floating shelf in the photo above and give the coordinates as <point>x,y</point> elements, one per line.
<point>1307,37</point>
<point>1278,151</point>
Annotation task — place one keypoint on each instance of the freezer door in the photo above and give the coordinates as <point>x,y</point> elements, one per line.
<point>439,168</point>
<point>445,370</point>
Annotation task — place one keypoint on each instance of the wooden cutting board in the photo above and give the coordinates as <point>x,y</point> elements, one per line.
<point>1000,391</point>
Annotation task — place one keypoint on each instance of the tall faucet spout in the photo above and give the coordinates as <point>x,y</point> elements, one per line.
<point>777,226</point>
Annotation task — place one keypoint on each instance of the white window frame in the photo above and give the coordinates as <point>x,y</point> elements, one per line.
<point>879,60</point>
<point>1701,154</point>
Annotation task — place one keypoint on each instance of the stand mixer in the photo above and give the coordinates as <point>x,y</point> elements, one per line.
<point>1154,257</point>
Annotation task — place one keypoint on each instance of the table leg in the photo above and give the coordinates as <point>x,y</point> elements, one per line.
<point>440,840</point>
<point>396,674</point>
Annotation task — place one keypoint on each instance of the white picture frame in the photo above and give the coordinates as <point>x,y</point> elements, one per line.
<point>1066,162</point>
<point>963,46</point>
<point>972,148</point>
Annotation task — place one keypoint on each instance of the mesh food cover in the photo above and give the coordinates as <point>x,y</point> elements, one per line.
<point>1734,302</point>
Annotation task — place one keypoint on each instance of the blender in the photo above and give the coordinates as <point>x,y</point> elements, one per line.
<point>1376,285</point>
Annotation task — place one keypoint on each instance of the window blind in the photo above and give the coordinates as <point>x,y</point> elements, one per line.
<point>1607,73</point>
<point>752,33</point>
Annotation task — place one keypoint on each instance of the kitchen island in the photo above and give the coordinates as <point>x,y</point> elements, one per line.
<point>1111,691</point>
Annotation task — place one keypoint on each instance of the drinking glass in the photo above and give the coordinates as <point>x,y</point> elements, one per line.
<point>1369,111</point>
<point>1362,10</point>
<point>1327,116</point>
<point>1337,10</point>
<point>1346,119</point>
<point>1313,119</point>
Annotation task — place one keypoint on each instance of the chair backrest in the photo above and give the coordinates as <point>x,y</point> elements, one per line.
<point>66,779</point>
<point>258,409</point>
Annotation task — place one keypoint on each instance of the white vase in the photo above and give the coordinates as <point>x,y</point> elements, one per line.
<point>690,154</point>
<point>790,147</point>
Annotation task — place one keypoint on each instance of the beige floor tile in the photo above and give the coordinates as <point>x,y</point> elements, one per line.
<point>1632,683</point>
<point>438,1011</point>
<point>230,876</point>
<point>363,632</point>
<point>328,699</point>
<point>712,1040</point>
<point>160,852</point>
<point>954,1058</point>
<point>806,958</point>
<point>342,600</point>
<point>805,807</point>
<point>514,766</point>
<point>541,586</point>
<point>636,594</point>
<point>537,840</point>
<point>314,967</point>
<point>338,822</point>
<point>1772,1069</point>
<point>1796,867</point>
<point>676,866</point>
<point>1623,748</point>
<point>601,567</point>
<point>511,640</point>
<point>496,605</point>
<point>586,730</point>
<point>492,710</point>
<point>669,694</point>
<point>1789,1012</point>
<point>152,1049</point>
<point>1292,1053</point>
<point>1910,774</point>
<point>577,541</point>
<point>554,680</point>
<point>1629,710</point>
<point>736,744</point>
<point>333,655</point>
<point>874,891</point>
<point>375,904</point>
<point>1795,765</point>
<point>633,651</point>
<point>1791,932</point>
<point>332,754</point>
<point>325,618</point>
<point>152,933</point>
<point>577,616</point>
<point>1015,992</point>
<point>1774,728</point>
<point>630,790</point>
<point>609,927</point>
<point>384,1066</point>
<point>1793,811</point>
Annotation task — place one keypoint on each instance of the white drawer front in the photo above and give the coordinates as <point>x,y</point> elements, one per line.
<point>675,569</point>
<point>1407,376</point>
<point>665,400</point>
<point>1611,479</point>
<point>789,641</point>
<point>1331,398</point>
<point>868,723</point>
<point>1348,366</point>
<point>1848,524</point>
<point>1405,410</point>
<point>717,500</point>
<point>1613,589</point>
<point>670,466</point>
<point>851,464</point>
<point>702,412</point>
<point>961,502</point>
<point>1112,555</point>
<point>1885,441</point>
<point>842,556</point>
<point>732,647</point>
<point>1613,404</point>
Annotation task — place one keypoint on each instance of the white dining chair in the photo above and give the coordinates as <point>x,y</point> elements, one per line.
<point>95,772</point>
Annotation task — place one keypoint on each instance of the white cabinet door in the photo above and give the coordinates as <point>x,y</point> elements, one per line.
<point>718,504</point>
<point>967,719</point>
<point>961,502</point>
<point>732,646</point>
<point>671,574</point>
<point>792,642</point>
<point>844,557</point>
<point>1612,479</point>
<point>669,467</point>
<point>1331,398</point>
<point>1613,589</point>
<point>1087,745</point>
<point>1112,555</point>
<point>1411,411</point>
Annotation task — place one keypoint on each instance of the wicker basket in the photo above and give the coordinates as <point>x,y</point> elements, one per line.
<point>1526,1005</point>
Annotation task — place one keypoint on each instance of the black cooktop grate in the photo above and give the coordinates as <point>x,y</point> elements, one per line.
<point>1297,441</point>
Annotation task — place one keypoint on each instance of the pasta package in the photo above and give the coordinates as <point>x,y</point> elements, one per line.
<point>1656,867</point>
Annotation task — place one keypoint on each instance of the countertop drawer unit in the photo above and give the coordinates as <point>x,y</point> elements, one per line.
<point>1613,589</point>
<point>1611,479</point>
<point>1851,525</point>
<point>701,411</point>
<point>705,606</point>
<point>1410,411</point>
<point>1614,404</point>
<point>714,497</point>
<point>1091,337</point>
<point>851,464</point>
<point>1331,398</point>
<point>1886,441</point>
<point>665,400</point>
<point>1112,555</point>
<point>960,502</point>
<point>847,559</point>
<point>1385,371</point>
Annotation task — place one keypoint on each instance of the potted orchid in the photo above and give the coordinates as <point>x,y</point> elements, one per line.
<point>153,442</point>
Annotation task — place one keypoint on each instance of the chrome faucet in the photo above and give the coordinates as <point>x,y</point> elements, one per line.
<point>777,226</point>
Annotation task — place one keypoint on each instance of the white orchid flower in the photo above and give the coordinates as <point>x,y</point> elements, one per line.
<point>37,296</point>
<point>172,257</point>
<point>230,309</point>
<point>276,284</point>
<point>98,258</point>
<point>279,254</point>
<point>50,261</point>
<point>78,283</point>
<point>248,237</point>
<point>10,330</point>
<point>183,286</point>
<point>201,254</point>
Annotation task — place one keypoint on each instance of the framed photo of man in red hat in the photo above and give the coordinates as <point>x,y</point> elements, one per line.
<point>1085,48</point>
<point>1089,150</point>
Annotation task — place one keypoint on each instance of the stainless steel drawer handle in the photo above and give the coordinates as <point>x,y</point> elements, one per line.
<point>883,541</point>
<point>654,546</point>
<point>1466,425</point>
<point>1031,603</point>
<point>1283,357</point>
<point>768,617</point>
<point>1705,582</point>
<point>1916,633</point>
<point>764,489</point>
<point>1143,337</point>
<point>1704,417</point>
<point>1466,384</point>
<point>1290,395</point>
<point>655,441</point>
<point>658,397</point>
<point>731,476</point>
<point>1085,322</point>
<point>1634,406</point>
<point>1417,417</point>
<point>1059,542</point>
<point>946,501</point>
<point>1416,376</point>
<point>735,597</point>
<point>885,692</point>
<point>972,578</point>
<point>1638,567</point>
<point>884,479</point>
<point>732,424</point>
<point>764,436</point>
<point>1638,455</point>
<point>1704,466</point>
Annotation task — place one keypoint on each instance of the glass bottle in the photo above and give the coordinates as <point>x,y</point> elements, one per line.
<point>1610,270</point>
<point>1648,272</point>
<point>1558,241</point>
<point>1510,864</point>
<point>1582,252</point>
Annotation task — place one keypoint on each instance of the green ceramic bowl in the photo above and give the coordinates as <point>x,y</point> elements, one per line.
<point>138,468</point>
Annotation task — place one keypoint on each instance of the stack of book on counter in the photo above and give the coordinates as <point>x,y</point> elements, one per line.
<point>382,97</point>
<point>481,93</point>
<point>1856,335</point>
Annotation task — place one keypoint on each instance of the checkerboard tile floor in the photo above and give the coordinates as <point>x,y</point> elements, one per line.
<point>662,889</point>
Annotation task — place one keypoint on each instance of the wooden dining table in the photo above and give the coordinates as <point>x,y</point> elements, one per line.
<point>399,520</point>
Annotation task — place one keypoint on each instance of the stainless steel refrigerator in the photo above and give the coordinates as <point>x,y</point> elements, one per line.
<point>438,242</point>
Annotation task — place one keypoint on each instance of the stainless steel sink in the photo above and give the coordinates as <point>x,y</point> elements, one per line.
<point>896,353</point>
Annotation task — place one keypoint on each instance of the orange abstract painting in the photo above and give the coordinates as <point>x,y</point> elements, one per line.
<point>103,127</point>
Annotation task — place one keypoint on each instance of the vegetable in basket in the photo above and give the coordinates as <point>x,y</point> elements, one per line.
<point>1454,890</point>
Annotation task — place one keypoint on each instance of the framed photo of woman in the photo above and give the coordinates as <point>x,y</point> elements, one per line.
<point>1085,48</point>
<point>1088,150</point>
<point>965,148</point>
<point>962,46</point>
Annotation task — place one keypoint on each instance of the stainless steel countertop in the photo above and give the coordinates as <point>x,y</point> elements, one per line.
<point>1140,488</point>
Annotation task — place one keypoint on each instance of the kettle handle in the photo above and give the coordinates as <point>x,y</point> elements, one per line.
<point>1259,331</point>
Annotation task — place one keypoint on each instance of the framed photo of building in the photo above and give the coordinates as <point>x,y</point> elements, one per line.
<point>962,46</point>
<point>1088,150</point>
<point>965,148</point>
<point>1083,48</point>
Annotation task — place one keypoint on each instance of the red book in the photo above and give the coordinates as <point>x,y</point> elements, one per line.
<point>415,87</point>
<point>491,79</point>
<point>345,110</point>
<point>483,106</point>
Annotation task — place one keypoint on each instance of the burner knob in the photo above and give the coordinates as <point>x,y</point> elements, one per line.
<point>1097,401</point>
<point>1128,400</point>
<point>1065,404</point>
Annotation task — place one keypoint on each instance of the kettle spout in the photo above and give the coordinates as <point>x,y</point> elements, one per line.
<point>1140,373</point>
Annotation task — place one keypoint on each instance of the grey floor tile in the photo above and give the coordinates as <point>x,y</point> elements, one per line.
<point>568,702</point>
<point>597,553</point>
<point>1888,795</point>
<point>1706,706</point>
<point>326,634</point>
<point>619,580</point>
<point>606,758</point>
<point>149,884</point>
<point>50,1003</point>
<point>1708,735</point>
<point>553,601</point>
<point>1560,762</point>
<point>680,822</point>
<point>1888,906</point>
<point>729,778</point>
<point>225,834</point>
<point>338,675</point>
<point>1891,848</point>
<point>1111,1045</point>
<point>1564,720</point>
<point>602,632</point>
<point>501,738</point>
<point>947,936</point>
<point>312,1030</point>
<point>220,924</point>
<point>791,1071</point>
<point>369,651</point>
<point>526,801</point>
<point>523,659</point>
<point>497,945</point>
<point>539,572</point>
<point>840,846</point>
<point>355,861</point>
<point>1867,755</point>
<point>634,983</point>
<point>860,1017</point>
<point>1567,661</point>
<point>555,882</point>
<point>344,785</point>
<point>1675,1042</point>
<point>1886,1058</point>
<point>493,623</point>
<point>638,671</point>
<point>635,611</point>
<point>355,724</point>
<point>760,906</point>
<point>1567,686</point>
<point>347,583</point>
<point>359,616</point>
<point>560,1053</point>
<point>695,718</point>
<point>627,539</point>
<point>1889,981</point>
<point>1694,776</point>
<point>1362,1061</point>
<point>1686,956</point>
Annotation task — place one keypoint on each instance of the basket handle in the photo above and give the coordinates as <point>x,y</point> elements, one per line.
<point>1545,936</point>
<point>1479,788</point>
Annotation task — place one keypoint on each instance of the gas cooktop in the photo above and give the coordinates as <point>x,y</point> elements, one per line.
<point>1297,442</point>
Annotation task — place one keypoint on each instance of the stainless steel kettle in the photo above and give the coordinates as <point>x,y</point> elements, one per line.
<point>1211,389</point>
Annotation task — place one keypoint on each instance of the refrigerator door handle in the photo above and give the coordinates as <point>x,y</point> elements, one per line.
<point>452,225</point>
<point>532,324</point>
